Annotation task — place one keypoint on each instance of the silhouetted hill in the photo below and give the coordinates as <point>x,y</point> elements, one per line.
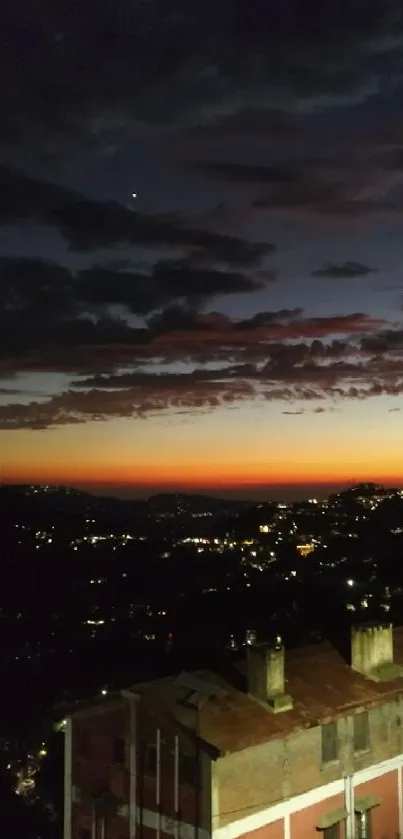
<point>69,500</point>
<point>177,503</point>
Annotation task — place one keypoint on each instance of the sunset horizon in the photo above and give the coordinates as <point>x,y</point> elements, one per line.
<point>203,289</point>
<point>248,490</point>
<point>201,419</point>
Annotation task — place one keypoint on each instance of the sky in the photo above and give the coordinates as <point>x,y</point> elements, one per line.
<point>237,326</point>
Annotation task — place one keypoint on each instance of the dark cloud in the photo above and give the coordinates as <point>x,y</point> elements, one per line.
<point>391,159</point>
<point>14,391</point>
<point>280,356</point>
<point>39,287</point>
<point>248,173</point>
<point>344,270</point>
<point>265,122</point>
<point>74,329</point>
<point>268,318</point>
<point>181,280</point>
<point>44,304</point>
<point>332,199</point>
<point>301,188</point>
<point>177,319</point>
<point>178,333</point>
<point>94,71</point>
<point>170,280</point>
<point>87,225</point>
<point>138,337</point>
<point>290,323</point>
<point>178,395</point>
<point>384,341</point>
<point>145,392</point>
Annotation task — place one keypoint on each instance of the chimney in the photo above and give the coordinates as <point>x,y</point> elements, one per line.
<point>372,652</point>
<point>266,680</point>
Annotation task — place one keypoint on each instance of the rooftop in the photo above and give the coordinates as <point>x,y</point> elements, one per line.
<point>225,717</point>
<point>319,679</point>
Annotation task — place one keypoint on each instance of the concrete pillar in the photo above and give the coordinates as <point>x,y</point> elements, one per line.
<point>215,797</point>
<point>349,805</point>
<point>93,822</point>
<point>266,676</point>
<point>68,761</point>
<point>371,647</point>
<point>133,768</point>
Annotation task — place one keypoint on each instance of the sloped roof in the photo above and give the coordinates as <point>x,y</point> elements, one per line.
<point>321,683</point>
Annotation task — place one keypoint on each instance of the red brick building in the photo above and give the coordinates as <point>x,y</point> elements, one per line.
<point>306,745</point>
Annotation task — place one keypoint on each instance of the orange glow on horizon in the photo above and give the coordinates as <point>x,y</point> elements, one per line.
<point>195,474</point>
<point>197,482</point>
<point>233,450</point>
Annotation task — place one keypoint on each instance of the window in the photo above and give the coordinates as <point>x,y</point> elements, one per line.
<point>361,732</point>
<point>330,745</point>
<point>363,825</point>
<point>119,750</point>
<point>332,832</point>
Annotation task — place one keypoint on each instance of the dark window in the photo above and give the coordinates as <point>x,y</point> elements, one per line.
<point>332,832</point>
<point>150,759</point>
<point>119,750</point>
<point>83,743</point>
<point>188,770</point>
<point>361,732</point>
<point>363,825</point>
<point>330,745</point>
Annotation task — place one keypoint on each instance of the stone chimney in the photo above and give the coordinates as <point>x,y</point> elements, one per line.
<point>266,679</point>
<point>372,652</point>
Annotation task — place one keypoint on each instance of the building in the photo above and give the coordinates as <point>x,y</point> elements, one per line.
<point>299,745</point>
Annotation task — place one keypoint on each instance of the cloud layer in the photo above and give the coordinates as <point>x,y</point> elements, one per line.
<point>96,72</point>
<point>54,321</point>
<point>138,338</point>
<point>343,271</point>
<point>87,225</point>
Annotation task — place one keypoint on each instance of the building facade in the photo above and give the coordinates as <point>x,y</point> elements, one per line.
<point>294,745</point>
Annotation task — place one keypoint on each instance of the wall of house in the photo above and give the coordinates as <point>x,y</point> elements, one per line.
<point>238,788</point>
<point>264,775</point>
<point>194,789</point>
<point>301,817</point>
<point>385,817</point>
<point>95,768</point>
<point>303,823</point>
<point>249,781</point>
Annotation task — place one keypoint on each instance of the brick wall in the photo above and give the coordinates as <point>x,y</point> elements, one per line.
<point>261,776</point>
<point>249,781</point>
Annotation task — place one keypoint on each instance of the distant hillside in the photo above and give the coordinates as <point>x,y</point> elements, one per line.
<point>187,503</point>
<point>74,501</point>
